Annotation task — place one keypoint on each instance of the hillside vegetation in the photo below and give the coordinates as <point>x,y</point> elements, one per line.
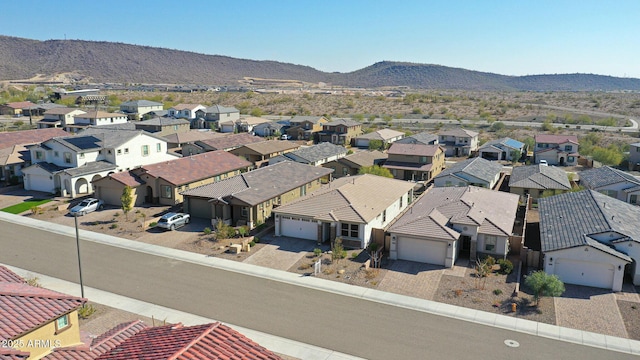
<point>109,62</point>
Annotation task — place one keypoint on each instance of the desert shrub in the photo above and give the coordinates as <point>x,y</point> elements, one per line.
<point>207,231</point>
<point>34,281</point>
<point>304,266</point>
<point>489,260</point>
<point>153,224</point>
<point>506,266</point>
<point>85,311</point>
<point>252,243</point>
<point>317,251</point>
<point>354,255</point>
<point>497,292</point>
<point>256,239</point>
<point>113,226</point>
<point>371,274</point>
<point>35,210</point>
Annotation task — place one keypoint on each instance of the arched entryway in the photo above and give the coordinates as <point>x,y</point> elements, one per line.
<point>82,186</point>
<point>149,195</point>
<point>561,161</point>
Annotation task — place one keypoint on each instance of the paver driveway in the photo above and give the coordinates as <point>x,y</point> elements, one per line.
<point>281,252</point>
<point>412,279</point>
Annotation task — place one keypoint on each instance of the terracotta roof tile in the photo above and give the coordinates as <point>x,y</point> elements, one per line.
<point>272,146</point>
<point>24,137</point>
<point>20,104</point>
<point>413,149</point>
<point>556,139</point>
<point>24,307</point>
<point>231,141</point>
<point>12,354</point>
<point>209,341</point>
<point>196,167</point>
<point>7,275</point>
<point>126,178</point>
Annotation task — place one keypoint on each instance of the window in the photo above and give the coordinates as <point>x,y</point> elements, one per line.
<point>303,190</point>
<point>571,159</point>
<point>67,158</point>
<point>166,191</point>
<point>56,154</point>
<point>349,230</point>
<point>126,150</point>
<point>145,150</point>
<point>345,171</point>
<point>401,198</point>
<point>244,211</point>
<point>384,215</point>
<point>119,151</point>
<point>490,242</point>
<point>39,155</point>
<point>568,148</point>
<point>633,199</point>
<point>423,159</point>
<point>158,147</point>
<point>175,127</point>
<point>62,322</point>
<point>81,155</point>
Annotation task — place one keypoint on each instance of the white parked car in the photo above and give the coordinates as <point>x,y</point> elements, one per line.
<point>172,221</point>
<point>285,137</point>
<point>86,206</point>
<point>544,163</point>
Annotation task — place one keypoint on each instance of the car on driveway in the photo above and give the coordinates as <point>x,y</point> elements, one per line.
<point>172,221</point>
<point>86,206</point>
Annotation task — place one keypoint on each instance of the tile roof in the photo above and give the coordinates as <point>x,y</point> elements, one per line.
<point>209,341</point>
<point>539,177</point>
<point>299,119</point>
<point>219,109</point>
<point>25,137</point>
<point>382,134</point>
<point>492,211</point>
<point>162,121</point>
<point>19,104</point>
<point>349,199</point>
<point>317,152</point>
<point>7,275</point>
<point>603,176</point>
<point>96,114</point>
<point>271,146</point>
<point>230,141</point>
<point>100,345</point>
<point>90,168</point>
<point>253,120</point>
<point>97,129</point>
<point>98,139</point>
<point>62,111</point>
<point>196,167</point>
<point>365,158</point>
<point>185,106</point>
<point>567,220</point>
<point>556,139</point>
<point>192,136</point>
<point>345,122</point>
<point>504,142</point>
<point>141,103</point>
<point>459,132</point>
<point>423,138</point>
<point>24,308</point>
<point>477,167</point>
<point>413,149</point>
<point>262,184</point>
<point>12,354</point>
<point>126,178</point>
<point>14,155</point>
<point>46,106</point>
<point>407,166</point>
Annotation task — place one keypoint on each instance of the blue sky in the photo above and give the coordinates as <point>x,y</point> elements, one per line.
<point>516,37</point>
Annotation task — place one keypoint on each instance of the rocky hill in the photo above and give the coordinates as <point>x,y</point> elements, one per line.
<point>123,63</point>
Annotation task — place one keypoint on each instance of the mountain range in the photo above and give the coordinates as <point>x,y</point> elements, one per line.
<point>111,62</point>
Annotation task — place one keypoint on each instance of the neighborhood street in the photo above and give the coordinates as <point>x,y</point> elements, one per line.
<point>189,282</point>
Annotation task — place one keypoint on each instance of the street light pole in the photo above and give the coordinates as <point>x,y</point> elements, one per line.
<point>78,248</point>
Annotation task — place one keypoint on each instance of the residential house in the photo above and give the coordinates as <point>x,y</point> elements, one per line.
<point>350,165</point>
<point>314,155</point>
<point>271,128</point>
<point>260,153</point>
<point>249,198</point>
<point>423,138</point>
<point>448,223</point>
<point>14,155</point>
<point>244,124</point>
<point>305,127</point>
<point>95,118</point>
<point>70,164</point>
<point>385,136</point>
<point>40,109</point>
<point>634,156</point>
<point>340,132</point>
<point>62,117</point>
<point>458,142</point>
<point>475,171</point>
<point>136,109</point>
<point>415,162</point>
<point>534,180</point>
<point>502,149</point>
<point>35,319</point>
<point>15,108</point>
<point>345,208</point>
<point>161,126</point>
<point>556,149</point>
<point>612,182</point>
<point>185,111</point>
<point>208,118</point>
<point>590,239</point>
<point>176,341</point>
<point>227,142</point>
<point>178,140</point>
<point>161,183</point>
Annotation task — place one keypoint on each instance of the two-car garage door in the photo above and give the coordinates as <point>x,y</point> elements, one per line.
<point>420,250</point>
<point>585,273</point>
<point>298,228</point>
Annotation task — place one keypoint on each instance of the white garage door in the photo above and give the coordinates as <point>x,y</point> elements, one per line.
<point>585,273</point>
<point>40,183</point>
<point>362,142</point>
<point>426,251</point>
<point>299,228</point>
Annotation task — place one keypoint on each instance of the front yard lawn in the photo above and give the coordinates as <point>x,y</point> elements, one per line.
<point>24,206</point>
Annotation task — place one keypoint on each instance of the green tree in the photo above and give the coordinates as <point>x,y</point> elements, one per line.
<point>544,284</point>
<point>127,201</point>
<point>376,145</point>
<point>257,112</point>
<point>497,126</point>
<point>375,170</point>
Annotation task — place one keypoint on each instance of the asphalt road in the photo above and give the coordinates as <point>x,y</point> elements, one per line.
<point>347,324</point>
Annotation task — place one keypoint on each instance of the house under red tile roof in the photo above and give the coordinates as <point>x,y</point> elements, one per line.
<point>20,104</point>
<point>556,139</point>
<point>7,275</point>
<point>100,345</point>
<point>12,354</point>
<point>24,137</point>
<point>413,149</point>
<point>232,141</point>
<point>28,307</point>
<point>126,178</point>
<point>196,167</point>
<point>209,341</point>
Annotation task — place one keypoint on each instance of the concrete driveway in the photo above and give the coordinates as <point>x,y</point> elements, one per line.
<point>280,252</point>
<point>171,239</point>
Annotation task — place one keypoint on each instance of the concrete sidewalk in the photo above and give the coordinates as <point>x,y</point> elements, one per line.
<point>277,344</point>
